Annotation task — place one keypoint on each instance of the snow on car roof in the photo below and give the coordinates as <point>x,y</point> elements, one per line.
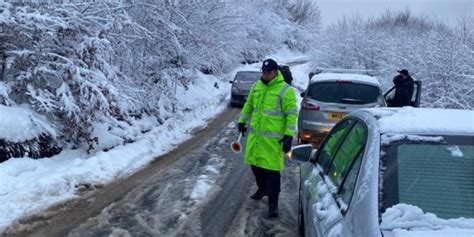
<point>346,76</point>
<point>411,120</point>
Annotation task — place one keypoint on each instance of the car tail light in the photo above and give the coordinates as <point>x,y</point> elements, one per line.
<point>306,105</point>
<point>381,104</point>
<point>344,81</point>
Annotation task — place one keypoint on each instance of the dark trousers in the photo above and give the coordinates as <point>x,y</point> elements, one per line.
<point>268,181</point>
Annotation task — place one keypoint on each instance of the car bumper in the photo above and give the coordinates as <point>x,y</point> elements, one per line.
<point>238,99</point>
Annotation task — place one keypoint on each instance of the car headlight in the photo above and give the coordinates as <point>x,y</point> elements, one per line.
<point>235,90</point>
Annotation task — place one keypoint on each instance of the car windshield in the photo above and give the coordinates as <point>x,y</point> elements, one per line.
<point>343,92</point>
<point>434,173</point>
<point>247,76</point>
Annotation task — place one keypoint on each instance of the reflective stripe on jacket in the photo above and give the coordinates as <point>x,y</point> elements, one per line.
<point>270,113</point>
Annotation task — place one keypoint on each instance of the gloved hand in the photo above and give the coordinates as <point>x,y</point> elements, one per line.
<point>242,129</point>
<point>286,140</point>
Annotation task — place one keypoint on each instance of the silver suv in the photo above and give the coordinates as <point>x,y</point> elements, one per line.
<point>330,95</point>
<point>241,85</point>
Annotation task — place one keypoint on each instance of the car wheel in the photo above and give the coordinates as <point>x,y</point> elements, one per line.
<point>300,215</point>
<point>234,105</point>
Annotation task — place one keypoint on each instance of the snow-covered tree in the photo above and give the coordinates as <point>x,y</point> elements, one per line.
<point>439,55</point>
<point>83,63</point>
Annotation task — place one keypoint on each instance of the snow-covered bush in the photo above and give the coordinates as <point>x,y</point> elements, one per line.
<point>439,55</point>
<point>59,64</point>
<point>85,65</point>
<point>25,133</point>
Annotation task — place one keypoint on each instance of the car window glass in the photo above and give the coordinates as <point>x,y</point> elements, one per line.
<point>347,188</point>
<point>457,178</point>
<point>343,92</point>
<point>348,151</point>
<point>328,148</point>
<point>417,172</point>
<point>247,76</point>
<point>390,94</point>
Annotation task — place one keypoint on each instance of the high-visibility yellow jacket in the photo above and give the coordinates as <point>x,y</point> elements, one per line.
<point>270,113</point>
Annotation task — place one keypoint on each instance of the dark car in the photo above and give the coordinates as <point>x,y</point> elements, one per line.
<point>241,85</point>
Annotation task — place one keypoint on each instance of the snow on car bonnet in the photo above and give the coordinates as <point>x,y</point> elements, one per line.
<point>410,120</point>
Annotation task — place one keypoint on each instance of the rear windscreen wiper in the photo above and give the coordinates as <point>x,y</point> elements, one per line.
<point>352,101</point>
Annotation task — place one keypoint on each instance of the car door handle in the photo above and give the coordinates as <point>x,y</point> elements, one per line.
<point>320,211</point>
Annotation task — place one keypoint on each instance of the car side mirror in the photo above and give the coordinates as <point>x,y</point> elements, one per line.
<point>303,94</point>
<point>231,82</point>
<point>301,153</point>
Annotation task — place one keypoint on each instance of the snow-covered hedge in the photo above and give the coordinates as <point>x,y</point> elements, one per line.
<point>441,56</point>
<point>89,63</point>
<point>59,64</point>
<point>25,133</point>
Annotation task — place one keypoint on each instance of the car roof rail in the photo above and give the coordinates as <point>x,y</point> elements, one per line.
<point>343,70</point>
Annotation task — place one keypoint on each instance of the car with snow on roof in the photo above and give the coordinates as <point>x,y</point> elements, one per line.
<point>332,93</point>
<point>390,172</point>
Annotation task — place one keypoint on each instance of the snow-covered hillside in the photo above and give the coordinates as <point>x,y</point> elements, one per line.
<point>113,85</point>
<point>96,66</point>
<point>440,55</point>
<point>28,186</point>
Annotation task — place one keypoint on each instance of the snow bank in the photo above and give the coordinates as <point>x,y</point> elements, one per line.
<point>19,124</point>
<point>28,186</point>
<point>110,134</point>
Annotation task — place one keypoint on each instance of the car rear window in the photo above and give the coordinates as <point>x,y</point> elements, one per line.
<point>343,92</point>
<point>247,76</point>
<point>438,177</point>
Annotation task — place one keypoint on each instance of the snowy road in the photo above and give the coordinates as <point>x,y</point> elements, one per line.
<point>201,189</point>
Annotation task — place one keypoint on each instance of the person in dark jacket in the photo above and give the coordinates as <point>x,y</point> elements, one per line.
<point>403,90</point>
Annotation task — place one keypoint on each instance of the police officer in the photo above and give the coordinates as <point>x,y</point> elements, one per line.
<point>269,115</point>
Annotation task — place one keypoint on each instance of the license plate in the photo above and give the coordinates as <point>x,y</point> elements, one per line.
<point>336,116</point>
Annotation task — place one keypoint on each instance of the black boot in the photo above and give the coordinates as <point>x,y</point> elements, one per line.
<point>261,183</point>
<point>273,208</point>
<point>258,195</point>
<point>273,189</point>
